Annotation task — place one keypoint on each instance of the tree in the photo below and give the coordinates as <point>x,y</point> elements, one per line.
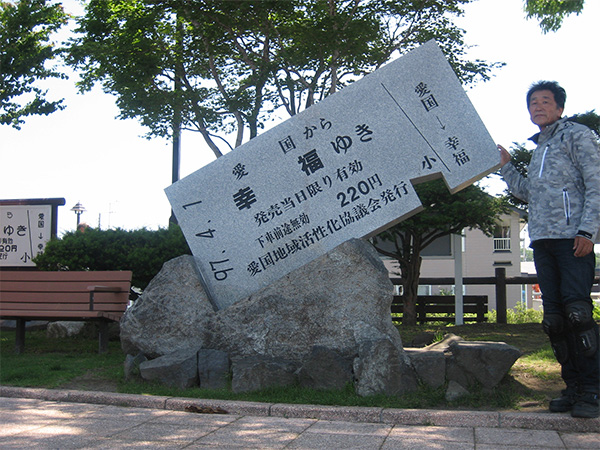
<point>26,27</point>
<point>551,13</point>
<point>520,157</point>
<point>443,214</point>
<point>236,62</point>
<point>590,119</point>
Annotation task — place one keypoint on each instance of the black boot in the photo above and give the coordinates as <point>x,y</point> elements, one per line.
<point>586,406</point>
<point>566,401</point>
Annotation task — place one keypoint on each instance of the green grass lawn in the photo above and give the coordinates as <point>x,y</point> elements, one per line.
<point>51,362</point>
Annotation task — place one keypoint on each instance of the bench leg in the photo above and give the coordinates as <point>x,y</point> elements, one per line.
<point>20,336</point>
<point>103,337</point>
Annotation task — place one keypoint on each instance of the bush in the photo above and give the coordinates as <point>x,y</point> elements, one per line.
<point>520,314</point>
<point>141,251</point>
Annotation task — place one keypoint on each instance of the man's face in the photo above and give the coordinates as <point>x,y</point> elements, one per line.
<point>543,109</point>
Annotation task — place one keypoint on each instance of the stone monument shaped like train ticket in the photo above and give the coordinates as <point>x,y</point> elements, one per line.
<point>344,168</point>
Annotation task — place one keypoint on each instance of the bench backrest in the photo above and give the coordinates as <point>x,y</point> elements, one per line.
<point>65,290</point>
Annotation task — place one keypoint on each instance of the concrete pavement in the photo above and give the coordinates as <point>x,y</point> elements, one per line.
<point>60,419</point>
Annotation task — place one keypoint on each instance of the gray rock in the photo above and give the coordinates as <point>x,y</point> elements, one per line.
<point>393,154</point>
<point>213,369</point>
<point>319,304</point>
<point>339,302</point>
<point>178,369</point>
<point>258,372</point>
<point>456,373</point>
<point>132,366</point>
<point>445,343</point>
<point>454,391</point>
<point>483,362</point>
<point>467,363</point>
<point>171,313</point>
<point>325,369</point>
<point>380,368</point>
<point>63,329</point>
<point>429,365</point>
<point>364,332</point>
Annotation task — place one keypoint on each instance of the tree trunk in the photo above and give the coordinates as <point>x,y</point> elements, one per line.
<point>411,286</point>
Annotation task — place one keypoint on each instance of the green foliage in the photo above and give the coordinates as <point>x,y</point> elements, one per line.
<point>596,312</point>
<point>551,13</point>
<point>424,397</point>
<point>590,119</point>
<point>141,251</point>
<point>519,314</point>
<point>224,66</point>
<point>527,254</point>
<point>520,157</point>
<point>25,52</point>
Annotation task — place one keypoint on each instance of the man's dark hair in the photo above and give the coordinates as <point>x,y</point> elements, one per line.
<point>560,96</point>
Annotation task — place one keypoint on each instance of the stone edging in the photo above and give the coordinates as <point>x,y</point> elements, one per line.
<point>488,419</point>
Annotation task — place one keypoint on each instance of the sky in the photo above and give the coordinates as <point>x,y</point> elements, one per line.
<point>84,154</point>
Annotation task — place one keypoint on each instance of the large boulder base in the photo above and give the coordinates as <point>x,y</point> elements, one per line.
<point>319,304</point>
<point>321,326</point>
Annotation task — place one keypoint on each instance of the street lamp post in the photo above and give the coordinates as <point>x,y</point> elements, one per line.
<point>78,209</point>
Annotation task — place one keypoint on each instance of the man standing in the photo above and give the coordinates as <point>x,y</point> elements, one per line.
<point>562,188</point>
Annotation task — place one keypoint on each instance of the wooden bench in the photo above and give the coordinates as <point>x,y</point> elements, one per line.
<point>444,304</point>
<point>100,296</point>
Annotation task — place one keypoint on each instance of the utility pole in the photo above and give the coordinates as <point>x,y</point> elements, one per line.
<point>177,111</point>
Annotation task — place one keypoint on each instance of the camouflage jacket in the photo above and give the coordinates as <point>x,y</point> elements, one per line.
<point>562,185</point>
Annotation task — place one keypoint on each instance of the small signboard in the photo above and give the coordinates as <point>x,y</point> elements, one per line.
<point>344,168</point>
<point>25,228</point>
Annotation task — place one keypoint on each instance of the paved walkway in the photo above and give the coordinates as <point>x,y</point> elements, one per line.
<point>44,419</point>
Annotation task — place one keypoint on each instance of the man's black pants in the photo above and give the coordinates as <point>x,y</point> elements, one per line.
<point>565,279</point>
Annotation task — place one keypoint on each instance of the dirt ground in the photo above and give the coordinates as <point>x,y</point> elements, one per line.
<point>549,388</point>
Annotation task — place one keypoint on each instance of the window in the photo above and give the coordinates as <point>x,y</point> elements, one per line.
<point>502,239</point>
<point>442,246</point>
